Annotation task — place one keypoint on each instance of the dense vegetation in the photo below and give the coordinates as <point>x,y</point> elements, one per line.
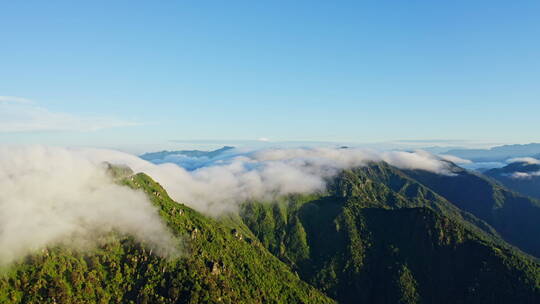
<point>377,235</point>
<point>380,237</point>
<point>218,264</point>
<point>515,217</point>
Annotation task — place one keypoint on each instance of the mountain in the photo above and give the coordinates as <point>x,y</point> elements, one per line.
<point>380,236</point>
<point>515,217</point>
<point>497,154</point>
<point>185,157</point>
<point>522,177</point>
<point>221,263</point>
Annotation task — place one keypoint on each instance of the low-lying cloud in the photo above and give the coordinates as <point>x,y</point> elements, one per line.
<point>530,164</point>
<point>220,184</point>
<point>524,175</point>
<point>456,160</point>
<point>527,160</point>
<point>54,195</point>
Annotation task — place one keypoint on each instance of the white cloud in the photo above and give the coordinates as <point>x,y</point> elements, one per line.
<point>14,99</point>
<point>524,175</point>
<point>527,160</point>
<point>54,195</point>
<point>50,195</point>
<point>222,184</point>
<point>21,115</point>
<point>455,159</point>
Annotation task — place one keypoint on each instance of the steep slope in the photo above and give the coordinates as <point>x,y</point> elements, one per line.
<point>380,237</point>
<point>515,217</point>
<point>521,177</point>
<point>217,265</point>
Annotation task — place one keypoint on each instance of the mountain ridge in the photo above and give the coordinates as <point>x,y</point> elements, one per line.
<point>514,216</point>
<point>189,153</point>
<point>216,266</point>
<point>498,153</point>
<point>377,235</point>
<point>520,176</point>
<point>364,241</point>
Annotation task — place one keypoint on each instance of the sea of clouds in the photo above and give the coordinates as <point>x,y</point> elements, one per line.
<point>54,195</point>
<point>218,185</point>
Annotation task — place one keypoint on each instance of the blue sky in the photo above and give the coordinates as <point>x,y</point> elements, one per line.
<point>113,73</point>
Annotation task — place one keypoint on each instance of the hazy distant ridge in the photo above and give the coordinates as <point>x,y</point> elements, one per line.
<point>499,153</point>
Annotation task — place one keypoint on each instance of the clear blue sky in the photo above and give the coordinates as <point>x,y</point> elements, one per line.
<point>115,72</point>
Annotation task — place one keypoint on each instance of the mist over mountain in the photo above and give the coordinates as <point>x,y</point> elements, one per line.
<point>217,265</point>
<point>497,154</point>
<point>381,236</point>
<point>292,152</point>
<point>54,196</point>
<point>308,225</point>
<point>68,193</point>
<point>521,175</point>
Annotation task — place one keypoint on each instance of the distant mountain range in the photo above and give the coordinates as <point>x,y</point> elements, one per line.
<point>497,154</point>
<point>520,176</point>
<point>189,153</point>
<point>188,159</point>
<point>378,234</point>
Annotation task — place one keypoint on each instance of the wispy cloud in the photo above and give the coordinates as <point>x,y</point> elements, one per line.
<point>527,160</point>
<point>524,175</point>
<point>19,114</point>
<point>14,99</point>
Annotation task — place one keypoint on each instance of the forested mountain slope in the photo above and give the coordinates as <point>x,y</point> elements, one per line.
<point>378,236</point>
<point>216,265</point>
<point>515,217</point>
